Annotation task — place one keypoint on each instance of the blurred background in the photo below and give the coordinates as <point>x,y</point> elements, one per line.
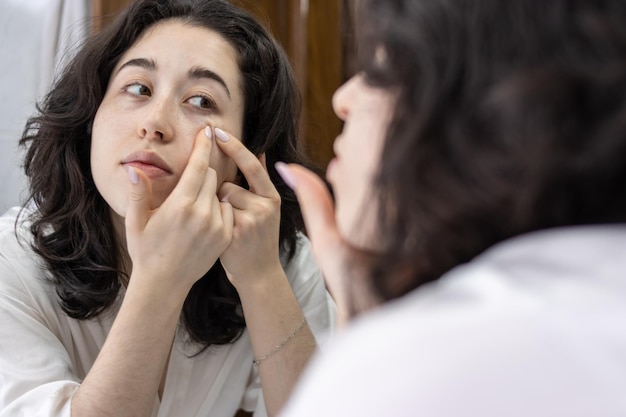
<point>38,36</point>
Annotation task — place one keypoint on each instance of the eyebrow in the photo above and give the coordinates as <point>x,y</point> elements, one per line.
<point>199,72</point>
<point>194,73</point>
<point>147,64</point>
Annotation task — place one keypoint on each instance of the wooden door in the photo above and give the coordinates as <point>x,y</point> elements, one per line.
<point>311,33</point>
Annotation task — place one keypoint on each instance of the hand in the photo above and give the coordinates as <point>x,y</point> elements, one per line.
<point>254,251</point>
<point>331,251</point>
<point>175,244</point>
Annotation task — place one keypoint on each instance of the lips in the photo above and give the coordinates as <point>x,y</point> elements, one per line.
<point>149,162</point>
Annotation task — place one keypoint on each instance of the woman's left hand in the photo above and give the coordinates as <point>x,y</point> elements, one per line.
<point>254,250</point>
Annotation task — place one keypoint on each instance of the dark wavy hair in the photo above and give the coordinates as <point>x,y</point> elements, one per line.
<point>72,228</point>
<point>510,118</point>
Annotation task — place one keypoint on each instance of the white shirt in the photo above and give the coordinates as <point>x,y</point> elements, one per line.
<point>44,354</point>
<point>535,326</point>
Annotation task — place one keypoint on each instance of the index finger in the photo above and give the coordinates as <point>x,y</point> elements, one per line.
<point>316,205</point>
<point>250,166</point>
<point>194,175</point>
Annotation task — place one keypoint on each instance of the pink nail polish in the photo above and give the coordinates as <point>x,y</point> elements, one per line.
<point>221,135</point>
<point>132,175</point>
<point>285,173</point>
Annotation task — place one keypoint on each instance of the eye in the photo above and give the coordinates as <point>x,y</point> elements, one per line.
<point>202,102</point>
<point>137,89</point>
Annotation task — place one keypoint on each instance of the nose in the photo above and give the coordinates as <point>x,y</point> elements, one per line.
<point>157,123</point>
<point>344,97</point>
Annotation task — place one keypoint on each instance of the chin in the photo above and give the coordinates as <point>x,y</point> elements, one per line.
<point>349,230</point>
<point>118,210</point>
<point>359,231</point>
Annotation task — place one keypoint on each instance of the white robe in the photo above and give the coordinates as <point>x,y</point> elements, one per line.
<point>44,354</point>
<point>534,327</point>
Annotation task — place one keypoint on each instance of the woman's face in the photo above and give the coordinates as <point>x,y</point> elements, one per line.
<point>367,112</point>
<point>175,80</point>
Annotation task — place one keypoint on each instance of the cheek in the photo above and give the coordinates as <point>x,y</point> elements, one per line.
<point>353,182</point>
<point>96,127</point>
<point>97,154</point>
<point>357,220</point>
<point>104,134</point>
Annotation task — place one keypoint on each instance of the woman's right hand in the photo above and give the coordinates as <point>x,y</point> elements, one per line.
<point>182,239</point>
<point>331,251</point>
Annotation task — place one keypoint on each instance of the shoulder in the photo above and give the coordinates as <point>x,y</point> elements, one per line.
<point>21,271</point>
<point>302,266</point>
<point>481,341</point>
<point>14,236</point>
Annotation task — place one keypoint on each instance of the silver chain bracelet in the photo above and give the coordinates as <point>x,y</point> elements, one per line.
<point>291,335</point>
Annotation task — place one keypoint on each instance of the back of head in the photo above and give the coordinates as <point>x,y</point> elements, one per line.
<point>511,117</point>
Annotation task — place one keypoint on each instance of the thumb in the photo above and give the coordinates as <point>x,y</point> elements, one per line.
<point>316,205</point>
<point>138,210</point>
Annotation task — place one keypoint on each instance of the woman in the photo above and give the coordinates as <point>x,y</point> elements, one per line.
<point>487,140</point>
<point>158,268</point>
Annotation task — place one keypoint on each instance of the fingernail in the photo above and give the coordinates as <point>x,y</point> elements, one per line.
<point>132,175</point>
<point>208,132</point>
<point>221,135</point>
<point>285,173</point>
